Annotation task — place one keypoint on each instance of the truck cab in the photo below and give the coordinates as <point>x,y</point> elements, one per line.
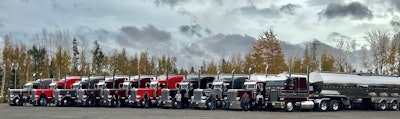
<point>16,97</point>
<point>231,96</point>
<point>112,85</point>
<point>186,88</point>
<point>65,91</point>
<point>133,83</point>
<point>85,88</point>
<point>284,92</point>
<point>154,92</point>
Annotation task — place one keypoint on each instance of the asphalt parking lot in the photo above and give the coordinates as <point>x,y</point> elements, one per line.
<point>9,112</point>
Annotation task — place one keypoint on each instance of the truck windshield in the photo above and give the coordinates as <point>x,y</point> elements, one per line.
<point>76,86</point>
<point>100,86</point>
<point>217,86</point>
<point>184,86</point>
<point>126,86</point>
<point>27,86</point>
<point>250,86</point>
<point>275,83</point>
<point>52,86</point>
<point>153,85</point>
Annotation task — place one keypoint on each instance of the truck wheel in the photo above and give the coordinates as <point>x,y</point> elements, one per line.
<point>289,106</point>
<point>381,106</point>
<point>393,105</point>
<point>14,102</point>
<point>323,106</point>
<point>334,105</point>
<point>63,102</point>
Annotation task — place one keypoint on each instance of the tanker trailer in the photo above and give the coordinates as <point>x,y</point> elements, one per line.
<point>333,91</point>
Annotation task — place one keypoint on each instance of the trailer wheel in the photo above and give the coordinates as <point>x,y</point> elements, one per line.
<point>393,105</point>
<point>381,106</point>
<point>334,105</point>
<point>322,106</point>
<point>289,106</point>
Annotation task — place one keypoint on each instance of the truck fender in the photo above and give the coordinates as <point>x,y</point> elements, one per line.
<point>345,101</point>
<point>317,101</point>
<point>392,100</point>
<point>379,100</point>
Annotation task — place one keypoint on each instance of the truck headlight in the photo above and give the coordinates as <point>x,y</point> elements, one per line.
<point>84,96</point>
<point>203,97</point>
<point>281,98</point>
<point>109,96</point>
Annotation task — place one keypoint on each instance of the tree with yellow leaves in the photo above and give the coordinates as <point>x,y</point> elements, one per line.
<point>267,51</point>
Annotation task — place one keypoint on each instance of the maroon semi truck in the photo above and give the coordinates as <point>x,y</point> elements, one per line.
<point>107,91</point>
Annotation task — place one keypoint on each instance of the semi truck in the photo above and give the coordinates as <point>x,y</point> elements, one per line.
<point>186,88</point>
<point>65,83</point>
<point>154,93</point>
<point>16,97</point>
<point>108,91</point>
<point>220,87</point>
<point>83,95</point>
<point>136,82</point>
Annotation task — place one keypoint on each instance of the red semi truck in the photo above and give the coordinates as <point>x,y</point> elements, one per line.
<point>61,84</point>
<point>137,98</point>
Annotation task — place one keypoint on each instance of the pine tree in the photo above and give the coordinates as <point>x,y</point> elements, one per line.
<point>75,58</point>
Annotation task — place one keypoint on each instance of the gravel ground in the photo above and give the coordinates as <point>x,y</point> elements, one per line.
<point>10,112</point>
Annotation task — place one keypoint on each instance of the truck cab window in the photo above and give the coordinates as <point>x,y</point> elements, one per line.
<point>153,85</point>
<point>250,86</point>
<point>217,86</point>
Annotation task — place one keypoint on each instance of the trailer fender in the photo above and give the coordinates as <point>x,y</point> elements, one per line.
<point>379,100</point>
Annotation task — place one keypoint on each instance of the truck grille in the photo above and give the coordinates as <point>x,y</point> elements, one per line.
<point>55,94</point>
<point>133,94</point>
<point>105,94</point>
<point>197,94</point>
<point>232,95</point>
<point>164,95</point>
<point>79,94</point>
<point>273,96</point>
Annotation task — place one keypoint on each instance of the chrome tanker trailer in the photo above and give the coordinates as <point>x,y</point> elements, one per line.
<point>339,91</point>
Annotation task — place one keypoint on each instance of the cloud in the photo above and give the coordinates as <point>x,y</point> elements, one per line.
<point>227,45</point>
<point>355,10</point>
<point>289,8</point>
<point>395,22</point>
<point>272,11</point>
<point>170,3</point>
<point>323,2</point>
<point>146,34</point>
<point>2,20</point>
<point>395,3</point>
<point>194,30</point>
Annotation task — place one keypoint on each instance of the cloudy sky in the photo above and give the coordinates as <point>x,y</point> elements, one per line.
<point>196,30</point>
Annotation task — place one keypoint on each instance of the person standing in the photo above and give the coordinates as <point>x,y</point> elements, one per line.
<point>245,102</point>
<point>260,101</point>
<point>116,99</point>
<point>213,100</point>
<point>92,99</point>
<point>42,99</point>
<point>178,99</point>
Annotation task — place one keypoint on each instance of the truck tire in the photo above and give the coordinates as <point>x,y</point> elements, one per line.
<point>322,106</point>
<point>14,102</point>
<point>381,106</point>
<point>334,105</point>
<point>63,102</point>
<point>393,105</point>
<point>289,106</point>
